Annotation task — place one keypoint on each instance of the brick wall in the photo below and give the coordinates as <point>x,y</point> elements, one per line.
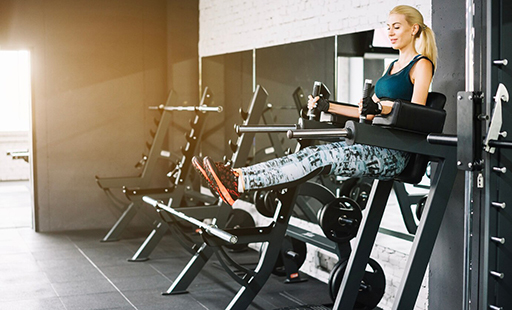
<point>229,26</point>
<point>18,169</point>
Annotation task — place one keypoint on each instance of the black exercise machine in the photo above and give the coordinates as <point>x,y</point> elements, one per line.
<point>223,214</point>
<point>180,194</point>
<point>148,164</point>
<point>273,235</point>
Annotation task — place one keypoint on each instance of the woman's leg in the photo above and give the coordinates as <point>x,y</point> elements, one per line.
<point>336,158</point>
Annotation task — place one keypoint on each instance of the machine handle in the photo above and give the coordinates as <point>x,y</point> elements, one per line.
<point>366,93</point>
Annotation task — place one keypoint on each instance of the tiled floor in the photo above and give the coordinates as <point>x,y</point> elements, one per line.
<point>73,270</point>
<point>15,204</point>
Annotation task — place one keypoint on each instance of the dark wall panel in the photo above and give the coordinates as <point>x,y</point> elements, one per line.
<point>281,69</point>
<point>229,77</point>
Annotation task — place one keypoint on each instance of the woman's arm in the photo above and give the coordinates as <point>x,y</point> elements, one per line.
<point>421,77</point>
<point>352,112</point>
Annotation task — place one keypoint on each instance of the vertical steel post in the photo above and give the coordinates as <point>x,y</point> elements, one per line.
<point>468,182</point>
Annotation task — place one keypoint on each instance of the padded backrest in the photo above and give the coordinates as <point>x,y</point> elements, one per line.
<point>428,118</point>
<point>417,165</point>
<point>436,100</point>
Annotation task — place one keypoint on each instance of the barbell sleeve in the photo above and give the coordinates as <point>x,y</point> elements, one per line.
<point>209,229</point>
<point>189,108</point>
<point>240,129</point>
<point>319,133</point>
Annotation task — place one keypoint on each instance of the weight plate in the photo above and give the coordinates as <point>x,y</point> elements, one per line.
<point>345,187</point>
<point>372,285</point>
<point>340,219</point>
<point>239,219</point>
<point>259,203</point>
<point>299,250</point>
<point>420,206</point>
<point>335,278</point>
<point>360,193</point>
<point>270,202</point>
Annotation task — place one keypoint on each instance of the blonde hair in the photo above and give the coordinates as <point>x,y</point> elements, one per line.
<point>427,40</point>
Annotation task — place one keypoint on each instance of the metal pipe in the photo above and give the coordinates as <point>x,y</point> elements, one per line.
<point>319,133</point>
<point>500,144</point>
<point>442,139</point>
<point>240,129</point>
<point>209,229</point>
<point>189,109</point>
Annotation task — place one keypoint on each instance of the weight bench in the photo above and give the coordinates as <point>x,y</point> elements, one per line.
<point>241,150</point>
<point>148,164</point>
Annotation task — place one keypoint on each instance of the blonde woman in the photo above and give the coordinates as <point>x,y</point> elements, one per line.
<point>408,78</point>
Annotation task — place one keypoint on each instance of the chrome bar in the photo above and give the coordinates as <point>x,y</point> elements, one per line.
<point>319,133</point>
<point>209,229</point>
<point>240,129</point>
<point>189,108</point>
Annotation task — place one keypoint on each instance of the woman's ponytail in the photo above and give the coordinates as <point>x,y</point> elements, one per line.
<point>427,44</point>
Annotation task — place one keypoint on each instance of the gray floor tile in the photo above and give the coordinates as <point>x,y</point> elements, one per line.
<point>23,290</point>
<point>156,283</point>
<point>110,300</point>
<point>148,300</point>
<point>129,270</point>
<point>74,273</point>
<point>34,304</point>
<point>86,287</point>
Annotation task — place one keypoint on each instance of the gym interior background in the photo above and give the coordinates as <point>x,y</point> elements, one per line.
<point>96,67</point>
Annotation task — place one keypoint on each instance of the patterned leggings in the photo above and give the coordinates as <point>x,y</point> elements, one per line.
<point>336,158</point>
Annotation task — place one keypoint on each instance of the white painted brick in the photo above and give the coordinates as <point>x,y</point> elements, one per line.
<point>231,26</point>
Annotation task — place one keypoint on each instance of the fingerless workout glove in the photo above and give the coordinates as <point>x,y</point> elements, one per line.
<point>370,107</point>
<point>322,105</point>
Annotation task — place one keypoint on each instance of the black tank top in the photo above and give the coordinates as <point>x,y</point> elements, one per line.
<point>397,85</point>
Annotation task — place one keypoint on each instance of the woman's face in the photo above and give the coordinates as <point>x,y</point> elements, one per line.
<point>400,33</point>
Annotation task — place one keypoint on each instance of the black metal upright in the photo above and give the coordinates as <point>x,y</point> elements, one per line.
<point>435,206</point>
<point>495,258</point>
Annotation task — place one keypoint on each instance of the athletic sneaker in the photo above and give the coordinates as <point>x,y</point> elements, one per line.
<point>223,179</point>
<point>196,163</point>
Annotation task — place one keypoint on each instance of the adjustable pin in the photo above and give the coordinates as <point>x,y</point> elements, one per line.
<point>498,240</point>
<point>500,205</point>
<point>500,169</point>
<point>500,62</point>
<point>499,275</point>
